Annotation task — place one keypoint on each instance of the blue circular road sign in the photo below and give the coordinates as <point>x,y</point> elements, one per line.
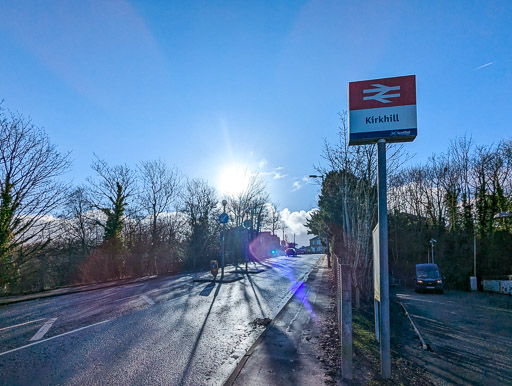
<point>223,218</point>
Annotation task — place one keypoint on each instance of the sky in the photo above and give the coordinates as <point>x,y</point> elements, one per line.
<point>211,86</point>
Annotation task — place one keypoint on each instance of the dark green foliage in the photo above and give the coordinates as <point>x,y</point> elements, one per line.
<point>114,224</point>
<point>6,236</point>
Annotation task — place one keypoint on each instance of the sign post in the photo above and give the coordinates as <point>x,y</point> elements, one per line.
<point>382,111</point>
<point>376,281</point>
<point>223,219</point>
<point>385,348</point>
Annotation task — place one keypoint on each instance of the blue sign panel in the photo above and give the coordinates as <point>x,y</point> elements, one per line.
<point>223,218</point>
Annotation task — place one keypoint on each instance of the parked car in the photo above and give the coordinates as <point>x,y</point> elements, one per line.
<point>428,278</point>
<point>291,252</point>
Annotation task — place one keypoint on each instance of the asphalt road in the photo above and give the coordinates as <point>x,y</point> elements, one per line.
<point>162,331</point>
<point>470,336</point>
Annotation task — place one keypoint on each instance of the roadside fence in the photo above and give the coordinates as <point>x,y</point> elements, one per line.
<point>343,280</point>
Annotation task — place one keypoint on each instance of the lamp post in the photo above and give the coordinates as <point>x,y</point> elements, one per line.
<point>432,241</point>
<point>224,203</point>
<point>325,230</point>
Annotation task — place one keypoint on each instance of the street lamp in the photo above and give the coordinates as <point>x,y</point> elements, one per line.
<point>326,234</point>
<point>432,241</point>
<point>503,214</point>
<point>224,203</point>
<point>315,176</point>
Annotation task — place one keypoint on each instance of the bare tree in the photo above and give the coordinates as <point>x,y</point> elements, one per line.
<point>348,201</point>
<point>250,203</point>
<point>200,206</point>
<point>111,192</point>
<point>29,167</point>
<point>116,184</point>
<point>273,222</point>
<point>159,192</point>
<point>78,223</point>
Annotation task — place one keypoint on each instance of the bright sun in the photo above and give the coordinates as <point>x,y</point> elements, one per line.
<point>233,180</point>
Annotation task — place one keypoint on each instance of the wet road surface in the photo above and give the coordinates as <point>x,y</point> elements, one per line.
<point>163,331</point>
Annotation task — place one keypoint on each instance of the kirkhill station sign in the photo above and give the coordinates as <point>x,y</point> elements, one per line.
<point>382,109</point>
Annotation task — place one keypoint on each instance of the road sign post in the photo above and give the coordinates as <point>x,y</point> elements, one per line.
<point>385,349</point>
<point>223,219</point>
<point>382,111</point>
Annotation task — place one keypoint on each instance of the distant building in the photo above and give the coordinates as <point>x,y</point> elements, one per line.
<point>316,245</point>
<point>265,245</point>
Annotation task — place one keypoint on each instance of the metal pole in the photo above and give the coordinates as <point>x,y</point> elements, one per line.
<point>433,262</point>
<point>474,255</point>
<point>223,234</point>
<point>385,352</point>
<point>224,203</point>
<point>328,252</point>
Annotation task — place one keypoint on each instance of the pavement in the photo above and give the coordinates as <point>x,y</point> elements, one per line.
<point>288,352</point>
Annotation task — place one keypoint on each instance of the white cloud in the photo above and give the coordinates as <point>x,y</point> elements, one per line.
<point>296,186</point>
<point>484,65</point>
<point>295,224</point>
<point>262,163</point>
<point>275,173</point>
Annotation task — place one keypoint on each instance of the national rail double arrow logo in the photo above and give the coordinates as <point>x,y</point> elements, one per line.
<point>381,93</point>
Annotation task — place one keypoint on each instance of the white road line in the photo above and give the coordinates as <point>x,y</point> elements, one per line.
<point>53,337</point>
<point>298,311</point>
<point>148,300</point>
<point>43,330</point>
<point>128,297</point>
<point>21,324</point>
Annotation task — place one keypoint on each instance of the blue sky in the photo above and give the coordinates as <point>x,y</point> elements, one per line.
<point>206,84</point>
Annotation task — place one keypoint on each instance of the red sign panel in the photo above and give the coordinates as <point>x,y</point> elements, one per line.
<point>386,92</point>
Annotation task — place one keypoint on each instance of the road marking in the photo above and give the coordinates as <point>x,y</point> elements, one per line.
<point>128,297</point>
<point>21,324</point>
<point>148,300</point>
<point>289,328</point>
<point>43,330</point>
<point>53,337</point>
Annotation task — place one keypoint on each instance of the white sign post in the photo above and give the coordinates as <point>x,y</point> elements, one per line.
<point>380,111</point>
<point>376,280</point>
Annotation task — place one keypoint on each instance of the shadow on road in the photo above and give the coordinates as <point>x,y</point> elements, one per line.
<point>198,339</point>
<point>207,290</point>
<point>256,295</point>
